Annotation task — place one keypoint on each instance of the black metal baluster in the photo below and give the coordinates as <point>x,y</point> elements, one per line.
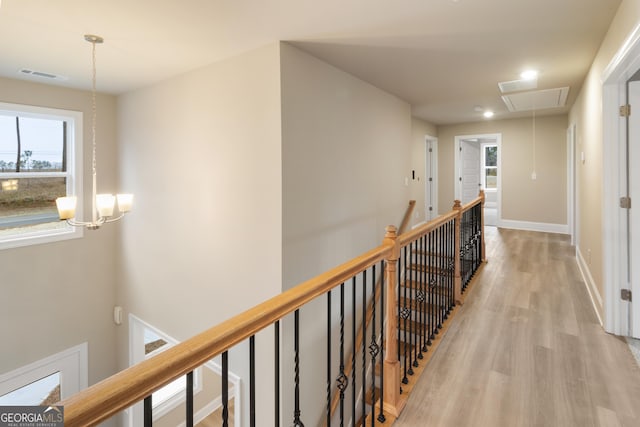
<point>432,268</point>
<point>296,343</point>
<point>373,348</point>
<point>189,400</point>
<point>364,343</point>
<point>225,389</point>
<point>276,370</point>
<point>413,320</point>
<point>354,349</point>
<point>443,260</point>
<point>450,244</point>
<point>381,416</point>
<point>148,411</point>
<point>342,380</point>
<point>452,263</point>
<point>423,294</point>
<point>446,299</point>
<point>404,314</point>
<point>252,381</point>
<point>329,359</point>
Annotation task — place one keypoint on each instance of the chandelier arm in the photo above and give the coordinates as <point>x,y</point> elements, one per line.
<point>114,219</point>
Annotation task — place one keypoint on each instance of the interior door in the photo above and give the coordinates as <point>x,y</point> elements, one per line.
<point>633,173</point>
<point>469,170</point>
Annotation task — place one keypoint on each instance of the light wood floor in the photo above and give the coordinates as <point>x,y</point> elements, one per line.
<point>526,349</point>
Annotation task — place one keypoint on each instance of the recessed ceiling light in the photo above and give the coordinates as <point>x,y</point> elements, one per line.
<point>529,75</point>
<point>488,114</point>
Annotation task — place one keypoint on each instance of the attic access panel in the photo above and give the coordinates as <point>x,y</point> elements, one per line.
<point>536,100</point>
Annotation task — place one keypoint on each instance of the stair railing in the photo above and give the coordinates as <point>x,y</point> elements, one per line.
<point>370,316</point>
<point>137,383</point>
<point>435,264</point>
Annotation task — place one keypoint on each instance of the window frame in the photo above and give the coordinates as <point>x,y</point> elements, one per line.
<point>72,364</point>
<point>484,167</point>
<point>73,174</point>
<point>137,354</point>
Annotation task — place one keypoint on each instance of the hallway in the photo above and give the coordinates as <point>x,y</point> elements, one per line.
<point>526,349</point>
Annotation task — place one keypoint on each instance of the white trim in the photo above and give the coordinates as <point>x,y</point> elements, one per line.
<point>571,182</point>
<point>72,364</point>
<point>590,284</point>
<point>620,61</point>
<point>544,227</point>
<point>134,356</point>
<point>614,228</point>
<point>429,215</point>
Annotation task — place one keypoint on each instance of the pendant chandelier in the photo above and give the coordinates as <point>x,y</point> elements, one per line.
<point>102,208</point>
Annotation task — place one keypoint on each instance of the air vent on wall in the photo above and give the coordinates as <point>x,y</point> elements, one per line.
<point>536,100</point>
<point>42,74</point>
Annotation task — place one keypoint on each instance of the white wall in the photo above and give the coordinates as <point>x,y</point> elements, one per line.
<point>346,152</point>
<point>542,201</point>
<point>586,114</point>
<point>58,295</point>
<point>202,154</point>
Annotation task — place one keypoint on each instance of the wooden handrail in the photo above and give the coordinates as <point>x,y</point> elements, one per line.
<point>407,217</point>
<point>116,393</point>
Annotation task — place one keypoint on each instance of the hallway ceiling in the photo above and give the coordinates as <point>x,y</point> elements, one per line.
<point>444,57</point>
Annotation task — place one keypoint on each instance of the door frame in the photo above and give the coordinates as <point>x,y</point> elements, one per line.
<point>431,142</point>
<point>457,164</point>
<point>572,190</point>
<point>614,226</point>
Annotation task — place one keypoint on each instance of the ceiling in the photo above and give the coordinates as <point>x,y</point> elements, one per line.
<point>444,57</point>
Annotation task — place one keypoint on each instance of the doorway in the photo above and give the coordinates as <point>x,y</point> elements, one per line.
<point>621,220</point>
<point>477,166</point>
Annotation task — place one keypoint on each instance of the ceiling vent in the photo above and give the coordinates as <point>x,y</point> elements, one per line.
<point>518,85</point>
<point>536,100</point>
<point>41,74</point>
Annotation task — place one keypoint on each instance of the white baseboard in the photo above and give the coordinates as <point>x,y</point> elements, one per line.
<point>590,284</point>
<point>534,226</point>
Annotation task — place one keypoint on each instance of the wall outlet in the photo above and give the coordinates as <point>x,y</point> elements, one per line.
<point>534,176</point>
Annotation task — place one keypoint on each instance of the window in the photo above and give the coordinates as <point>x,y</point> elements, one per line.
<point>145,341</point>
<point>46,381</point>
<point>38,152</point>
<point>489,167</point>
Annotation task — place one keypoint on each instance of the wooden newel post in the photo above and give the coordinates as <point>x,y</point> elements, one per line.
<point>483,256</point>
<point>457,278</point>
<point>393,401</point>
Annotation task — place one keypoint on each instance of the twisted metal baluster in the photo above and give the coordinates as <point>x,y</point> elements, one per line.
<point>342,380</point>
<point>296,342</point>
<point>381,416</point>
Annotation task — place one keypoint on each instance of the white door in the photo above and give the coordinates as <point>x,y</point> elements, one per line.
<point>469,170</point>
<point>431,184</point>
<point>633,172</point>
